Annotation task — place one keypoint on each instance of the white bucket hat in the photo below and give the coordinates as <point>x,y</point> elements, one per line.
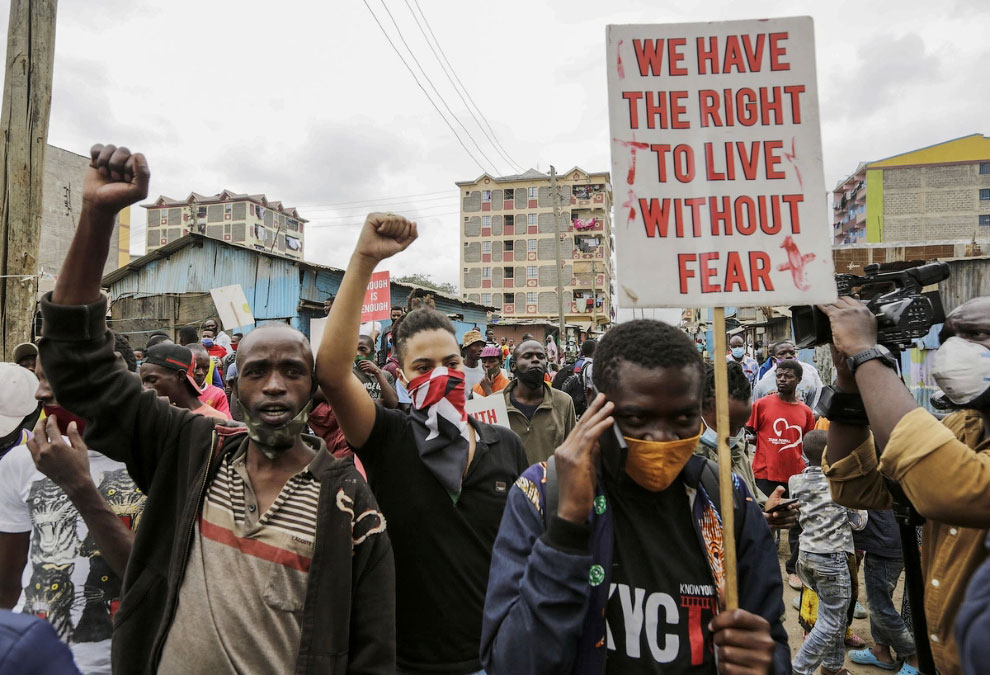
<point>17,388</point>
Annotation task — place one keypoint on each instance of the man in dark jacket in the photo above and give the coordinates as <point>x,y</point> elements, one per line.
<point>540,415</point>
<point>624,575</point>
<point>251,557</point>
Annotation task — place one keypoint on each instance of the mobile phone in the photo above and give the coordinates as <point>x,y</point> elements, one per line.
<point>616,432</point>
<point>783,505</point>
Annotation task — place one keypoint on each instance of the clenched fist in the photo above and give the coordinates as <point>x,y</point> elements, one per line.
<point>384,235</point>
<point>115,179</point>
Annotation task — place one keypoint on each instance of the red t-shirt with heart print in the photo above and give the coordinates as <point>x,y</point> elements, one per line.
<point>780,428</point>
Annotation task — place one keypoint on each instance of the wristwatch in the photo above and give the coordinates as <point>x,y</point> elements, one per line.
<point>878,352</point>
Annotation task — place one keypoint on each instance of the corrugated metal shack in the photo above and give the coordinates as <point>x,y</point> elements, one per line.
<point>170,288</point>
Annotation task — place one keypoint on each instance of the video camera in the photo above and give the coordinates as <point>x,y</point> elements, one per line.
<point>904,313</point>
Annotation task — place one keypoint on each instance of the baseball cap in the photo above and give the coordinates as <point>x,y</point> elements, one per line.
<point>491,350</point>
<point>173,357</point>
<point>472,336</point>
<point>17,387</point>
<point>23,350</point>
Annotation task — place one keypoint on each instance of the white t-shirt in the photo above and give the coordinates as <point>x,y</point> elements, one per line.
<point>223,340</point>
<point>473,376</point>
<point>66,581</point>
<point>368,326</point>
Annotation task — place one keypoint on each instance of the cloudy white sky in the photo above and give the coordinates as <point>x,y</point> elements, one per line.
<point>307,102</point>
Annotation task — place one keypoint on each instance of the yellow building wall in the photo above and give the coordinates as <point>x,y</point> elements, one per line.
<point>966,149</point>
<point>124,237</point>
<point>874,206</point>
<point>974,148</point>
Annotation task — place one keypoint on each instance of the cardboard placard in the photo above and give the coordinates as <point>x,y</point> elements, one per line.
<point>489,409</point>
<point>232,306</point>
<point>717,165</point>
<point>377,303</point>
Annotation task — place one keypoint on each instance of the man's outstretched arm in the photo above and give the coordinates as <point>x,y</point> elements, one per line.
<point>115,180</point>
<point>77,351</point>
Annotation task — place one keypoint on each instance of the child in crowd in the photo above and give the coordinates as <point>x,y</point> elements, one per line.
<point>826,541</point>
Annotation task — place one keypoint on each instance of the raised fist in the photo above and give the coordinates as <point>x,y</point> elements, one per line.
<point>115,179</point>
<point>384,235</point>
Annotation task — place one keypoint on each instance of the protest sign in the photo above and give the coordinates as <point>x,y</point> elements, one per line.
<point>232,306</point>
<point>377,299</point>
<point>316,327</point>
<point>489,409</point>
<point>717,162</point>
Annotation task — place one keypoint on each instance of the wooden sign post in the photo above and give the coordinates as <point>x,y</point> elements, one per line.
<point>717,169</point>
<point>725,460</point>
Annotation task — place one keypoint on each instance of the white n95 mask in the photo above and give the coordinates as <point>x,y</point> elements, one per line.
<point>962,370</point>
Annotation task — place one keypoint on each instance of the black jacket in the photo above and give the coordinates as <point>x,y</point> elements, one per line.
<point>172,455</point>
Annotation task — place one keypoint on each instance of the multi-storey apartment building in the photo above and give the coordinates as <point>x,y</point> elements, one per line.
<point>508,247</point>
<point>248,220</point>
<point>849,207</point>
<point>938,193</point>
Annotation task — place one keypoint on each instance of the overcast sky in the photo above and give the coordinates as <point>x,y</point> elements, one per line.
<point>308,103</point>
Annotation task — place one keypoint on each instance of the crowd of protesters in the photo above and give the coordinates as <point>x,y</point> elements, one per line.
<point>229,503</point>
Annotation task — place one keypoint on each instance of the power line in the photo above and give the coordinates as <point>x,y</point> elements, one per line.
<point>445,201</point>
<point>411,216</point>
<point>493,138</point>
<point>456,90</point>
<point>420,85</point>
<point>373,200</point>
<point>435,90</point>
<point>362,214</point>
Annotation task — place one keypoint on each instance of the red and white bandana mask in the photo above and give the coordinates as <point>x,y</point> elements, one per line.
<point>440,424</point>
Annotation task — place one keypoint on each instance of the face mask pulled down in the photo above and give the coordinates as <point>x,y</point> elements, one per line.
<point>655,464</point>
<point>962,370</point>
<point>273,441</point>
<point>709,438</point>
<point>532,378</point>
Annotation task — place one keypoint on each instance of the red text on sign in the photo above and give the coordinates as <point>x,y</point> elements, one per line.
<point>736,155</point>
<point>649,56</point>
<point>740,53</point>
<point>486,416</point>
<point>744,215</point>
<point>712,276</point>
<point>662,109</point>
<point>747,107</point>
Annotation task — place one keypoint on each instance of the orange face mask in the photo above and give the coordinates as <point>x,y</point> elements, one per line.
<point>655,464</point>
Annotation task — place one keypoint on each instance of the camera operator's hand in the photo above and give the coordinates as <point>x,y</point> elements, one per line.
<point>854,328</point>
<point>844,378</point>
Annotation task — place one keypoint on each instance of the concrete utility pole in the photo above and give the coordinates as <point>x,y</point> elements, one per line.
<point>27,101</point>
<point>556,240</point>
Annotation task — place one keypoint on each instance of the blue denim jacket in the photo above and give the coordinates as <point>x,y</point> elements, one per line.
<point>545,607</point>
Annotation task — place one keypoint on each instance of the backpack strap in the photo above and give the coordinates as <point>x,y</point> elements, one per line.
<point>551,493</point>
<point>708,478</point>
